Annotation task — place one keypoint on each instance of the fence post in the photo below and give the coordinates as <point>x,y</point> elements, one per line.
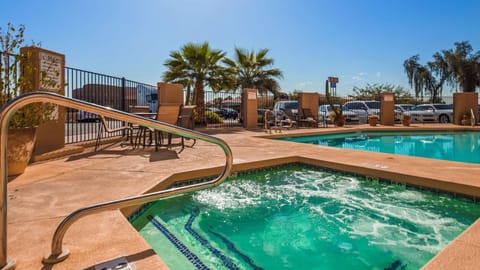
<point>123,95</point>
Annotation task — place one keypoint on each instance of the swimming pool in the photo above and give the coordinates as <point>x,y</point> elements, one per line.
<point>459,146</point>
<point>299,217</point>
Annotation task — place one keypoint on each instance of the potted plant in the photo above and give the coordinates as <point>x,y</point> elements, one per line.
<point>337,117</point>
<point>13,82</point>
<point>336,113</point>
<point>406,120</point>
<point>373,120</point>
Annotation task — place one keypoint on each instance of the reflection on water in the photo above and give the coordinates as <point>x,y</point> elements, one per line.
<point>454,146</point>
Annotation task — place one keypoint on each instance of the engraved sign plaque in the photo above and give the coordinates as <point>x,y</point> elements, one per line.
<point>50,66</point>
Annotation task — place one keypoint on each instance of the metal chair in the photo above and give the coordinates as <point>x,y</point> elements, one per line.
<point>168,113</point>
<point>141,132</point>
<point>186,120</point>
<point>105,128</point>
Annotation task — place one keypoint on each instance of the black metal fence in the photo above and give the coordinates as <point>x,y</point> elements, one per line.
<point>223,109</point>
<point>115,92</point>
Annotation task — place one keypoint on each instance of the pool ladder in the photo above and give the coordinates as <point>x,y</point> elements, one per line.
<point>58,253</point>
<point>472,118</point>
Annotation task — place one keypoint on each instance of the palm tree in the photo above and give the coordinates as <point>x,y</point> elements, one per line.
<point>199,65</point>
<point>252,71</point>
<point>464,67</point>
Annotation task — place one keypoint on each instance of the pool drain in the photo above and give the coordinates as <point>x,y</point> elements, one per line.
<point>115,264</point>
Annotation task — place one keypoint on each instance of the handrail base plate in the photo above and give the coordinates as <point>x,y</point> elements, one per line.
<point>10,265</point>
<point>52,259</point>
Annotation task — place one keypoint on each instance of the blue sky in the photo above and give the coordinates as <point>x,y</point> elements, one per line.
<point>360,41</point>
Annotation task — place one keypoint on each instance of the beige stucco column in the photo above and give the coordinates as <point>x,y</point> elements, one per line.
<point>47,74</point>
<point>249,108</point>
<point>462,103</point>
<point>308,101</point>
<point>387,109</point>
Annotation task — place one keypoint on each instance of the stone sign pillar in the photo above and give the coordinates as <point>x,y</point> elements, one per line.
<point>249,108</point>
<point>462,104</point>
<point>45,71</point>
<point>308,101</point>
<point>387,109</point>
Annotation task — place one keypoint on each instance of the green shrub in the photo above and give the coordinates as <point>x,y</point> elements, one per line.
<point>213,118</point>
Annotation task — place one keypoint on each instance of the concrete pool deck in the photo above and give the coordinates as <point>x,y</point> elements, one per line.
<point>48,191</point>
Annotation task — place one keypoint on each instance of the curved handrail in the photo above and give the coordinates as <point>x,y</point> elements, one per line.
<point>59,254</point>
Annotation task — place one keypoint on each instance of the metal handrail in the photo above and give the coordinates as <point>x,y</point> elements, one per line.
<point>59,254</point>
<point>472,118</point>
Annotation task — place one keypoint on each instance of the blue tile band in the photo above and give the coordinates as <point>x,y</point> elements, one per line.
<point>231,246</point>
<point>225,260</point>
<point>178,244</point>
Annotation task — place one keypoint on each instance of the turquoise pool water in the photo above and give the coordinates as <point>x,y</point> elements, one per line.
<point>299,217</point>
<point>455,146</point>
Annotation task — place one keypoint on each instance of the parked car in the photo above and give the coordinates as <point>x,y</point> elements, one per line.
<point>287,104</point>
<point>215,110</point>
<point>404,107</point>
<point>324,112</point>
<point>371,107</point>
<point>442,113</point>
<point>225,113</point>
<point>228,113</point>
<point>83,116</point>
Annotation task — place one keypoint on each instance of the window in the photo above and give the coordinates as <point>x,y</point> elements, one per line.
<point>443,106</point>
<point>373,104</point>
<point>291,105</point>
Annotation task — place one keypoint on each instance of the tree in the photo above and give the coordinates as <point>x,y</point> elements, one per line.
<point>459,66</point>
<point>199,65</point>
<point>252,71</point>
<point>373,92</point>
<point>13,84</point>
<point>463,66</point>
<point>428,79</point>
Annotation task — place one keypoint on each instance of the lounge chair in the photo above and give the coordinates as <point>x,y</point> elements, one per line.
<point>308,118</point>
<point>290,119</point>
<point>277,120</point>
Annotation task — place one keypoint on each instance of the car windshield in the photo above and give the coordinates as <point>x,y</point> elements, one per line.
<point>291,105</point>
<point>406,107</point>
<point>373,104</point>
<point>422,108</point>
<point>443,106</point>
<point>325,108</point>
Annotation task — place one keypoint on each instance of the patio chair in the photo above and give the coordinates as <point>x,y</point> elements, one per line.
<point>140,132</point>
<point>138,108</point>
<point>105,128</point>
<point>186,120</point>
<point>168,113</point>
<point>308,118</point>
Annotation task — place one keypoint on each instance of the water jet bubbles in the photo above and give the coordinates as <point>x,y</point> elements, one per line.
<point>345,247</point>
